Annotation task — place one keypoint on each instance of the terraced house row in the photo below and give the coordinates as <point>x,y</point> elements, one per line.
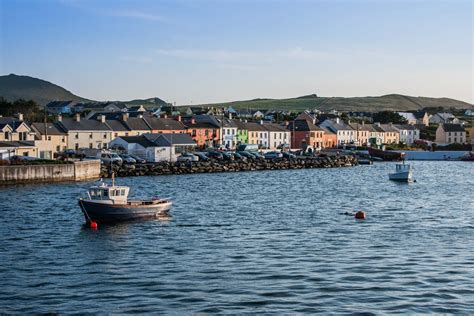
<point>99,129</point>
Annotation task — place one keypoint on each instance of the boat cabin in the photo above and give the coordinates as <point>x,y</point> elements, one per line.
<point>402,168</point>
<point>113,193</point>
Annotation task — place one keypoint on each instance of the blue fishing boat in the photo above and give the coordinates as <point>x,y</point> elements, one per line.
<point>106,204</point>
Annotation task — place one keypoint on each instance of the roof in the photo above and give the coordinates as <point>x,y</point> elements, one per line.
<point>407,115</point>
<point>303,125</point>
<point>116,115</point>
<point>164,140</point>
<point>136,123</point>
<point>255,127</point>
<point>202,125</point>
<point>48,128</point>
<point>405,126</point>
<point>228,123</point>
<point>164,124</point>
<point>306,116</point>
<point>453,127</point>
<point>240,125</point>
<point>271,127</point>
<point>59,104</point>
<point>117,125</point>
<point>361,127</point>
<point>13,122</point>
<point>140,140</point>
<point>83,125</point>
<point>388,128</point>
<point>335,126</point>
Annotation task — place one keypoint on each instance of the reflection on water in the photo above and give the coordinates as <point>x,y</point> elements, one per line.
<point>251,242</point>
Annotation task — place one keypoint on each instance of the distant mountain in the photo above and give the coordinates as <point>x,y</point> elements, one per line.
<point>13,87</point>
<point>390,102</point>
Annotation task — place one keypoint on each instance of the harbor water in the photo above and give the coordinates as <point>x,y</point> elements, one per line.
<point>249,242</point>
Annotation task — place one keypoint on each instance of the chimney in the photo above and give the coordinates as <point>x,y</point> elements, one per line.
<point>193,121</point>
<point>60,118</point>
<point>261,122</point>
<point>101,118</point>
<point>337,120</point>
<point>20,116</point>
<point>178,118</point>
<point>78,117</point>
<point>349,122</point>
<point>165,115</point>
<point>140,116</point>
<point>230,116</point>
<point>125,117</point>
<point>378,124</point>
<point>287,123</point>
<point>363,123</point>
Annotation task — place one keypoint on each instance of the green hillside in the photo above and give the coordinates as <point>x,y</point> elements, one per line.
<point>14,87</point>
<point>394,102</point>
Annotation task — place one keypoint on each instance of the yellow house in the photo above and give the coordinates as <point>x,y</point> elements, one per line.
<point>391,134</point>
<point>16,138</point>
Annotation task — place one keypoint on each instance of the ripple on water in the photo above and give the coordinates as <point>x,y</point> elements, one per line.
<point>254,242</point>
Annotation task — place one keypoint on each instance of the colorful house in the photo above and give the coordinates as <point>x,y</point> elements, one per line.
<point>304,133</point>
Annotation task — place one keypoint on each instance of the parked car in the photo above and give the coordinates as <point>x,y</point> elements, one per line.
<point>246,154</point>
<point>238,156</point>
<point>137,159</point>
<point>228,156</point>
<point>22,158</point>
<point>126,158</point>
<point>288,155</point>
<point>215,155</point>
<point>257,155</point>
<point>191,157</point>
<point>202,156</point>
<point>110,158</point>
<point>273,155</point>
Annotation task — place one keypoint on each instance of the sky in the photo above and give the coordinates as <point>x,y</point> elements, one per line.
<point>204,51</point>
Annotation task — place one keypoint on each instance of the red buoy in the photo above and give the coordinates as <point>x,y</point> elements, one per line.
<point>360,215</point>
<point>93,225</point>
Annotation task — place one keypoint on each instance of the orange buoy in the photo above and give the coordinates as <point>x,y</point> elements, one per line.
<point>360,215</point>
<point>93,225</point>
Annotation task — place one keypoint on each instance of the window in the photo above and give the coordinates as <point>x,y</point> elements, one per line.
<point>90,135</point>
<point>116,134</point>
<point>58,148</point>
<point>77,146</point>
<point>63,139</point>
<point>126,134</point>
<point>194,133</point>
<point>105,135</point>
<point>90,145</point>
<point>49,137</point>
<point>7,135</point>
<point>104,145</point>
<point>76,136</point>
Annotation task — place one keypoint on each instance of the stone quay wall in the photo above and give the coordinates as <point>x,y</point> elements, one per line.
<point>166,168</point>
<point>45,173</point>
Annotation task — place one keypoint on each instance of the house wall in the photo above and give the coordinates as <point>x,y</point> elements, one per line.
<point>48,145</point>
<point>86,139</point>
<point>329,140</point>
<point>205,137</point>
<point>276,139</point>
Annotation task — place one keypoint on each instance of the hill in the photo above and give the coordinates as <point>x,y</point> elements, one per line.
<point>148,103</point>
<point>391,102</point>
<point>14,87</point>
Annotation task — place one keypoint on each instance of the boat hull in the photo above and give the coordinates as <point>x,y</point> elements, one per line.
<point>406,176</point>
<point>386,155</point>
<point>106,213</point>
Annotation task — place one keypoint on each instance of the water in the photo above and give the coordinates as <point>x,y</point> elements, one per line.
<point>255,242</point>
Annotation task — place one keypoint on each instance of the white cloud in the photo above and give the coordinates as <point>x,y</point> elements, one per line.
<point>137,15</point>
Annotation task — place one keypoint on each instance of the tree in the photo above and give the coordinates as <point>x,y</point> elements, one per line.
<point>385,117</point>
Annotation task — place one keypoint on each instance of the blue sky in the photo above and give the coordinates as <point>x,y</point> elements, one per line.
<point>215,51</point>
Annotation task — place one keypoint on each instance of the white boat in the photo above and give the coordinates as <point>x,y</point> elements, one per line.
<point>106,203</point>
<point>403,173</point>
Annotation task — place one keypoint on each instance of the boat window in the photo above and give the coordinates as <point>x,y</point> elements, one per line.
<point>122,192</point>
<point>105,193</point>
<point>117,192</point>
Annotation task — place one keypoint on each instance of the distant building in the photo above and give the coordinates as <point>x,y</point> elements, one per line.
<point>50,138</point>
<point>16,138</point>
<point>345,134</point>
<point>156,147</point>
<point>305,133</point>
<point>450,134</point>
<point>443,118</point>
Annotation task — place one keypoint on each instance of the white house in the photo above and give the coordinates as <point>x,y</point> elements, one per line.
<point>155,147</point>
<point>450,134</point>
<point>345,134</point>
<point>228,132</point>
<point>408,133</point>
<point>441,118</point>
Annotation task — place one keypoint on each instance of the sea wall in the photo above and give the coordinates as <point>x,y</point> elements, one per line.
<point>77,171</point>
<point>166,168</point>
